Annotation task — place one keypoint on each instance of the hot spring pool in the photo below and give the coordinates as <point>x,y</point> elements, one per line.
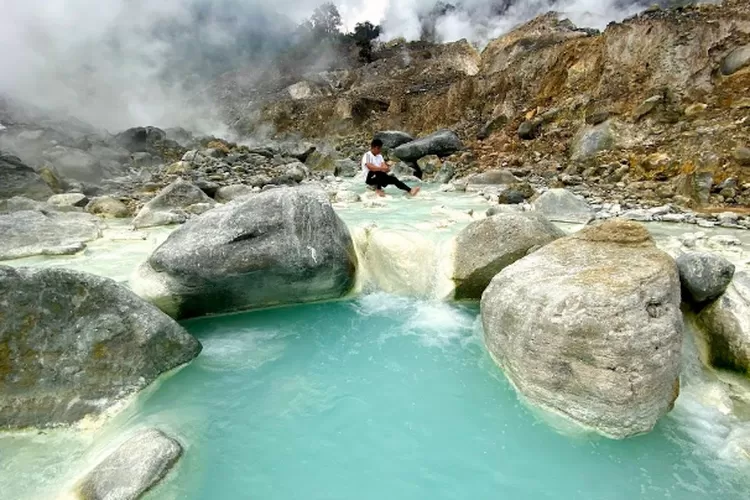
<point>382,398</point>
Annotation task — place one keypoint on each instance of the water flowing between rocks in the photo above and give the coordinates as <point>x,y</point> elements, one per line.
<point>385,395</point>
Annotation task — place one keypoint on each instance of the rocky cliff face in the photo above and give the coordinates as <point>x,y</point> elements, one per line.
<point>658,102</point>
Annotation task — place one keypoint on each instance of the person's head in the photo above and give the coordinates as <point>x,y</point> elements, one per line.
<point>376,146</point>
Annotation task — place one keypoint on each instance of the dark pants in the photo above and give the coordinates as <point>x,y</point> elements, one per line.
<point>380,180</point>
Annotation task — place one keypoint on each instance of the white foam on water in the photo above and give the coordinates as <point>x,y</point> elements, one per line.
<point>438,324</point>
<point>434,323</point>
<point>241,350</point>
<point>705,413</point>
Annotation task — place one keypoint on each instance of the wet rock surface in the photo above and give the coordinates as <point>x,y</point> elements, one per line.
<point>486,247</point>
<point>132,469</point>
<point>73,344</point>
<point>32,232</point>
<point>704,276</point>
<point>589,327</point>
<point>282,246</point>
<point>174,204</point>
<point>726,325</point>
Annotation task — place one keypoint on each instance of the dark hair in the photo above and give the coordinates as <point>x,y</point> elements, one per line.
<point>376,143</point>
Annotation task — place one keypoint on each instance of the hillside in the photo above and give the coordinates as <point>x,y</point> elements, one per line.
<point>650,107</point>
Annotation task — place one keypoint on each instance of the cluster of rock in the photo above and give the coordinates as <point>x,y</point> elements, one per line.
<point>577,204</point>
<point>589,326</point>
<point>72,345</point>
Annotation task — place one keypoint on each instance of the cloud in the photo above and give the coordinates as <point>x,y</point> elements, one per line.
<point>119,63</point>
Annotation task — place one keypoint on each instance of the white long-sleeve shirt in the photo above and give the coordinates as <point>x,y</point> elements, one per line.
<point>368,157</point>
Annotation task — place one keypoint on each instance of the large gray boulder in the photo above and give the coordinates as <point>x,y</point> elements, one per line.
<point>393,138</point>
<point>589,327</point>
<point>486,247</point>
<point>726,325</point>
<point>441,143</point>
<point>173,205</point>
<point>72,344</point>
<point>133,468</point>
<point>28,232</point>
<point>704,276</point>
<point>560,205</point>
<point>18,179</point>
<point>282,246</point>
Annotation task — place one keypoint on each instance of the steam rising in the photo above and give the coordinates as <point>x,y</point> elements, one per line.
<point>120,63</point>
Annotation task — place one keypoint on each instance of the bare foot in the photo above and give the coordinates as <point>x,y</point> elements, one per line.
<point>380,192</point>
<point>414,191</point>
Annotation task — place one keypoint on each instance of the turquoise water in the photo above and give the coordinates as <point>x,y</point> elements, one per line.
<point>393,398</point>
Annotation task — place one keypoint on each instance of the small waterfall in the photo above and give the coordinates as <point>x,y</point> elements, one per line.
<point>712,409</point>
<point>404,263</point>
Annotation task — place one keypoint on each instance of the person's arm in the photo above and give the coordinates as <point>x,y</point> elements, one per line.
<point>374,168</point>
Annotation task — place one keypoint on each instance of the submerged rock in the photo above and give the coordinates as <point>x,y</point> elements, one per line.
<point>441,143</point>
<point>18,179</point>
<point>590,327</point>
<point>28,232</point>
<point>282,246</point>
<point>486,247</point>
<point>72,344</point>
<point>560,205</point>
<point>132,469</point>
<point>172,205</point>
<point>704,276</point>
<point>726,324</point>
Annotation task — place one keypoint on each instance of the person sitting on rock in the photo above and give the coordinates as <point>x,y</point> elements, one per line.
<point>375,171</point>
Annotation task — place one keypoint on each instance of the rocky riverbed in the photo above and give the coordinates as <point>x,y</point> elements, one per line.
<point>586,191</point>
<point>440,245</point>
